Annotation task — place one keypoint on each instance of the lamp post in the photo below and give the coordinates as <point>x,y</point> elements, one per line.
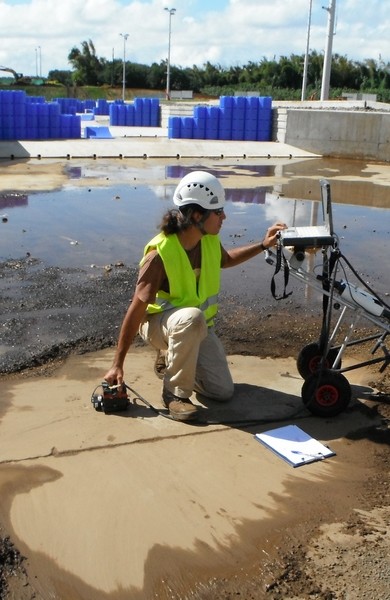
<point>38,61</point>
<point>171,12</point>
<point>328,51</point>
<point>306,63</point>
<point>125,36</point>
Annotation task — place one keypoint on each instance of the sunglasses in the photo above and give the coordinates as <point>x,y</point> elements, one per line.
<point>218,211</point>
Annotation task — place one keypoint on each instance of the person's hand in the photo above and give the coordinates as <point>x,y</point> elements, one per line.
<point>271,235</point>
<point>114,376</point>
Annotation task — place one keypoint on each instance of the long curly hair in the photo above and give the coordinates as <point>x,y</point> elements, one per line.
<point>176,220</point>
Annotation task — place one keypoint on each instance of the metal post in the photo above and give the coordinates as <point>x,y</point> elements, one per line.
<point>171,12</point>
<point>125,36</point>
<point>306,63</point>
<point>112,69</point>
<point>328,51</point>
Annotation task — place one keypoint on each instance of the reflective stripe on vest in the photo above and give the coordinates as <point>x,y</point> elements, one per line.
<point>185,290</point>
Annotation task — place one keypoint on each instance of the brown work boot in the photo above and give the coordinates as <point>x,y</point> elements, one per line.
<point>159,364</point>
<point>180,409</point>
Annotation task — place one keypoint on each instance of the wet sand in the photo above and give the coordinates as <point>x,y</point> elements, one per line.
<point>136,506</point>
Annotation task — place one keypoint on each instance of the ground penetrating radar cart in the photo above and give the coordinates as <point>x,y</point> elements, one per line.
<point>326,391</point>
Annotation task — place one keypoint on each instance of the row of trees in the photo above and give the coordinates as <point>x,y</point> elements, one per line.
<point>266,76</point>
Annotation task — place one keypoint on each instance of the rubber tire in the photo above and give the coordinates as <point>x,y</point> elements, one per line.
<point>310,357</point>
<point>326,394</point>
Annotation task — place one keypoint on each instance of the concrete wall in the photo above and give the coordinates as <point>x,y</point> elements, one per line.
<point>349,129</point>
<point>359,132</point>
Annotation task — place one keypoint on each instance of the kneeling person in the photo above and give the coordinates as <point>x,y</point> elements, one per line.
<point>176,296</point>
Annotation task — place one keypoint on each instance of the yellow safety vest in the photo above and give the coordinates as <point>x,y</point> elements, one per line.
<point>184,289</point>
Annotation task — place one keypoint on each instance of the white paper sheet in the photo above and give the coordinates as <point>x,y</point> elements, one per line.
<point>294,445</point>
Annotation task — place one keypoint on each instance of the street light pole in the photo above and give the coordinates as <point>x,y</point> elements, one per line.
<point>171,12</point>
<point>40,60</point>
<point>306,63</point>
<point>328,51</point>
<point>125,36</point>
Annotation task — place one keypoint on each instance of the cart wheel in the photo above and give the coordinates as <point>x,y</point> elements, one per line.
<point>309,360</point>
<point>326,394</point>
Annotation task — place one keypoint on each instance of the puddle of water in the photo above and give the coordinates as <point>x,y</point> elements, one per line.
<point>107,211</point>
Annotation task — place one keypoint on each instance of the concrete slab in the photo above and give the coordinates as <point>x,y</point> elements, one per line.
<point>145,142</point>
<point>106,504</point>
<point>46,416</point>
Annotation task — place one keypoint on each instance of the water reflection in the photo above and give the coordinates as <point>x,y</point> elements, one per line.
<point>353,182</point>
<point>74,172</point>
<point>256,196</point>
<point>179,171</point>
<point>107,210</point>
<point>13,200</point>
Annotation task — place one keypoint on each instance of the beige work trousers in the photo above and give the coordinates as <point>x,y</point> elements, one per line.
<point>195,358</point>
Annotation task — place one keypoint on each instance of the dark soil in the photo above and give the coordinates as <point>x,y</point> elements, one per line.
<point>50,312</point>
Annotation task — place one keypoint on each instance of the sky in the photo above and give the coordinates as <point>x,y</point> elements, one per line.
<point>36,36</point>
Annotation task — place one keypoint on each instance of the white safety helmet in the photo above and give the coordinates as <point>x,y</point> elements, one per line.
<point>201,188</point>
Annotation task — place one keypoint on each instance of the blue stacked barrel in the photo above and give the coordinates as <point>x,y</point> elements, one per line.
<point>43,121</point>
<point>130,115</point>
<point>212,123</point>
<point>138,111</point>
<point>236,118</point>
<point>264,119</point>
<point>101,108</point>
<point>7,126</point>
<point>71,106</point>
<point>199,128</point>
<point>35,99</point>
<point>68,106</point>
<point>143,112</point>
<point>25,117</point>
<point>187,128</point>
<point>146,112</point>
<point>54,120</point>
<point>117,114</point>
<point>174,128</point>
<point>90,104</point>
<point>226,117</point>
<point>19,105</point>
<point>155,112</point>
<point>31,121</point>
<point>251,117</point>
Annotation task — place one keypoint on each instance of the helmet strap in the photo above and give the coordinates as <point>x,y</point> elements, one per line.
<point>188,218</point>
<point>200,224</point>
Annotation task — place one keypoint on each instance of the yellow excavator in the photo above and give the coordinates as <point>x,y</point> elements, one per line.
<point>19,78</point>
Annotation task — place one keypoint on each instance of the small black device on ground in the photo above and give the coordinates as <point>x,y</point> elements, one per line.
<point>114,398</point>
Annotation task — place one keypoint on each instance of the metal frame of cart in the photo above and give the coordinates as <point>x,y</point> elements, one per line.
<point>326,392</point>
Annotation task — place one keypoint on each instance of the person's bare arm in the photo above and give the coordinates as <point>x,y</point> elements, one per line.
<point>129,329</point>
<point>236,256</point>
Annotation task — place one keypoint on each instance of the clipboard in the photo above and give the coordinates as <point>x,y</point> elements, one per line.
<point>294,445</point>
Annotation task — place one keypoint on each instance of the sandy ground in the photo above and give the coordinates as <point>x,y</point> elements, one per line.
<point>135,506</point>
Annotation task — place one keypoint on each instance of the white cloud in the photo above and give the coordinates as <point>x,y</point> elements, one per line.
<point>243,31</point>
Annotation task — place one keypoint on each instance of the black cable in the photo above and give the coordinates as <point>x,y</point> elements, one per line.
<point>364,283</point>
